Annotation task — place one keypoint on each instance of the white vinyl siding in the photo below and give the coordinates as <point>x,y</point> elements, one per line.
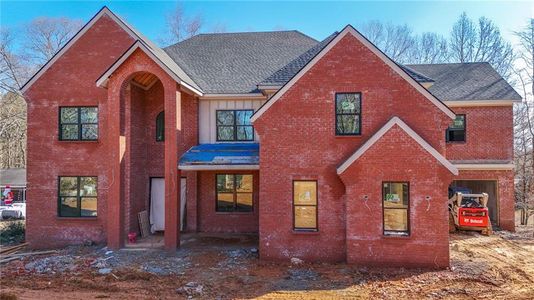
<point>207,120</point>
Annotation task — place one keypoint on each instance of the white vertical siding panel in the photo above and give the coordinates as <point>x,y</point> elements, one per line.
<point>207,118</point>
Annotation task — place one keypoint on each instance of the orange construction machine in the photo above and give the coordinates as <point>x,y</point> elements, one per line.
<point>469,211</point>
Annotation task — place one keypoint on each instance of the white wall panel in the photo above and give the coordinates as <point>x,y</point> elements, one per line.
<point>207,122</point>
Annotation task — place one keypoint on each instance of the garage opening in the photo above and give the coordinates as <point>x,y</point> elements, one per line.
<point>482,186</point>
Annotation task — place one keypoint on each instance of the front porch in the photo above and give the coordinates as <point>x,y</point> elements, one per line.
<point>197,240</point>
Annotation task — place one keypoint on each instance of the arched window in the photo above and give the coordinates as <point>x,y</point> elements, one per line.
<point>160,127</point>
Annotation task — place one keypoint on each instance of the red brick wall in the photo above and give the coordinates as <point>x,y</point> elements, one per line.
<point>70,81</point>
<point>298,140</point>
<point>489,134</point>
<point>505,193</point>
<point>211,221</point>
<point>396,157</point>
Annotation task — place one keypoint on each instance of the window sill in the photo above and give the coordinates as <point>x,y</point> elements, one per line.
<point>456,142</point>
<point>234,213</point>
<point>305,232</point>
<point>348,136</point>
<point>78,141</point>
<point>396,237</point>
<point>77,218</point>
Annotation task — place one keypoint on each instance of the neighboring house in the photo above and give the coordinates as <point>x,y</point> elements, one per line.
<point>329,150</point>
<point>16,180</point>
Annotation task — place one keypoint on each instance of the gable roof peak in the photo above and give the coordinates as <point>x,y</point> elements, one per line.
<point>382,131</point>
<point>349,29</point>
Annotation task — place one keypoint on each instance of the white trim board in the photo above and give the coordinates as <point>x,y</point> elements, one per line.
<point>245,96</point>
<point>475,103</point>
<point>217,167</point>
<point>410,132</point>
<point>483,167</point>
<point>350,30</point>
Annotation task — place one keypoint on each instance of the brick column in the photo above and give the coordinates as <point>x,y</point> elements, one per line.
<point>115,205</point>
<point>172,174</point>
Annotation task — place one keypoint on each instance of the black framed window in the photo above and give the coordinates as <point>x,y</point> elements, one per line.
<point>234,192</point>
<point>78,123</point>
<point>305,205</point>
<point>234,125</point>
<point>160,127</point>
<point>77,196</point>
<point>348,113</point>
<point>396,208</point>
<point>456,132</point>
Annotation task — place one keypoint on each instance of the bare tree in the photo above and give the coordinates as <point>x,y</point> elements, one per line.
<point>45,36</point>
<point>429,48</point>
<point>42,38</point>
<point>180,27</point>
<point>395,40</point>
<point>219,27</point>
<point>12,131</point>
<point>14,68</point>
<point>524,124</point>
<point>481,42</point>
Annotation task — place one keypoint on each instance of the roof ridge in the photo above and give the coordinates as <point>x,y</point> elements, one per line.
<point>450,63</point>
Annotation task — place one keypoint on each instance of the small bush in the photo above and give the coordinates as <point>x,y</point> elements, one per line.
<point>13,233</point>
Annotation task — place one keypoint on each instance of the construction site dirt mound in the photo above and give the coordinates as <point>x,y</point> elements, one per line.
<point>500,266</point>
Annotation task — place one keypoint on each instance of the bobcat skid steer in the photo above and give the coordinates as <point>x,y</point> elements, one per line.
<point>469,212</point>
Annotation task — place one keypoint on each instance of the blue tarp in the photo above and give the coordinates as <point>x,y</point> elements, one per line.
<point>222,154</point>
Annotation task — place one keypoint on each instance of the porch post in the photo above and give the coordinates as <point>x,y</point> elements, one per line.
<point>172,108</point>
<point>115,216</point>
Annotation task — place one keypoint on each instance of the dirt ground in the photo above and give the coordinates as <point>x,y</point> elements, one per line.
<point>495,267</point>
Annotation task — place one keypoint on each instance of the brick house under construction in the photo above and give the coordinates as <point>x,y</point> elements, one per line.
<point>328,150</point>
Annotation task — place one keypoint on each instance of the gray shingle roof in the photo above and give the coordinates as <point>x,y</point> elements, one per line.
<point>416,75</point>
<point>236,62</point>
<point>287,72</point>
<point>13,177</point>
<point>467,81</point>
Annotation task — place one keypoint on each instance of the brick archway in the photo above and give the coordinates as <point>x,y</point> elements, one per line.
<point>140,70</point>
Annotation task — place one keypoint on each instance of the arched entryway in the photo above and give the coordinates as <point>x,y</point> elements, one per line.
<point>143,163</point>
<point>138,91</point>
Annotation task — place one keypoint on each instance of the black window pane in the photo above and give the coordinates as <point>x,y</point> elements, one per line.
<point>243,117</point>
<point>89,132</point>
<point>68,207</point>
<point>68,186</point>
<point>225,202</point>
<point>225,133</point>
<point>225,117</point>
<point>245,133</point>
<point>69,132</point>
<point>225,183</point>
<point>243,183</point>
<point>88,207</point>
<point>160,127</point>
<point>88,186</point>
<point>348,124</point>
<point>459,122</point>
<point>69,115</point>
<point>347,103</point>
<point>89,114</point>
<point>244,202</point>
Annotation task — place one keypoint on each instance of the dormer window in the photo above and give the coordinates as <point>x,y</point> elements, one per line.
<point>234,125</point>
